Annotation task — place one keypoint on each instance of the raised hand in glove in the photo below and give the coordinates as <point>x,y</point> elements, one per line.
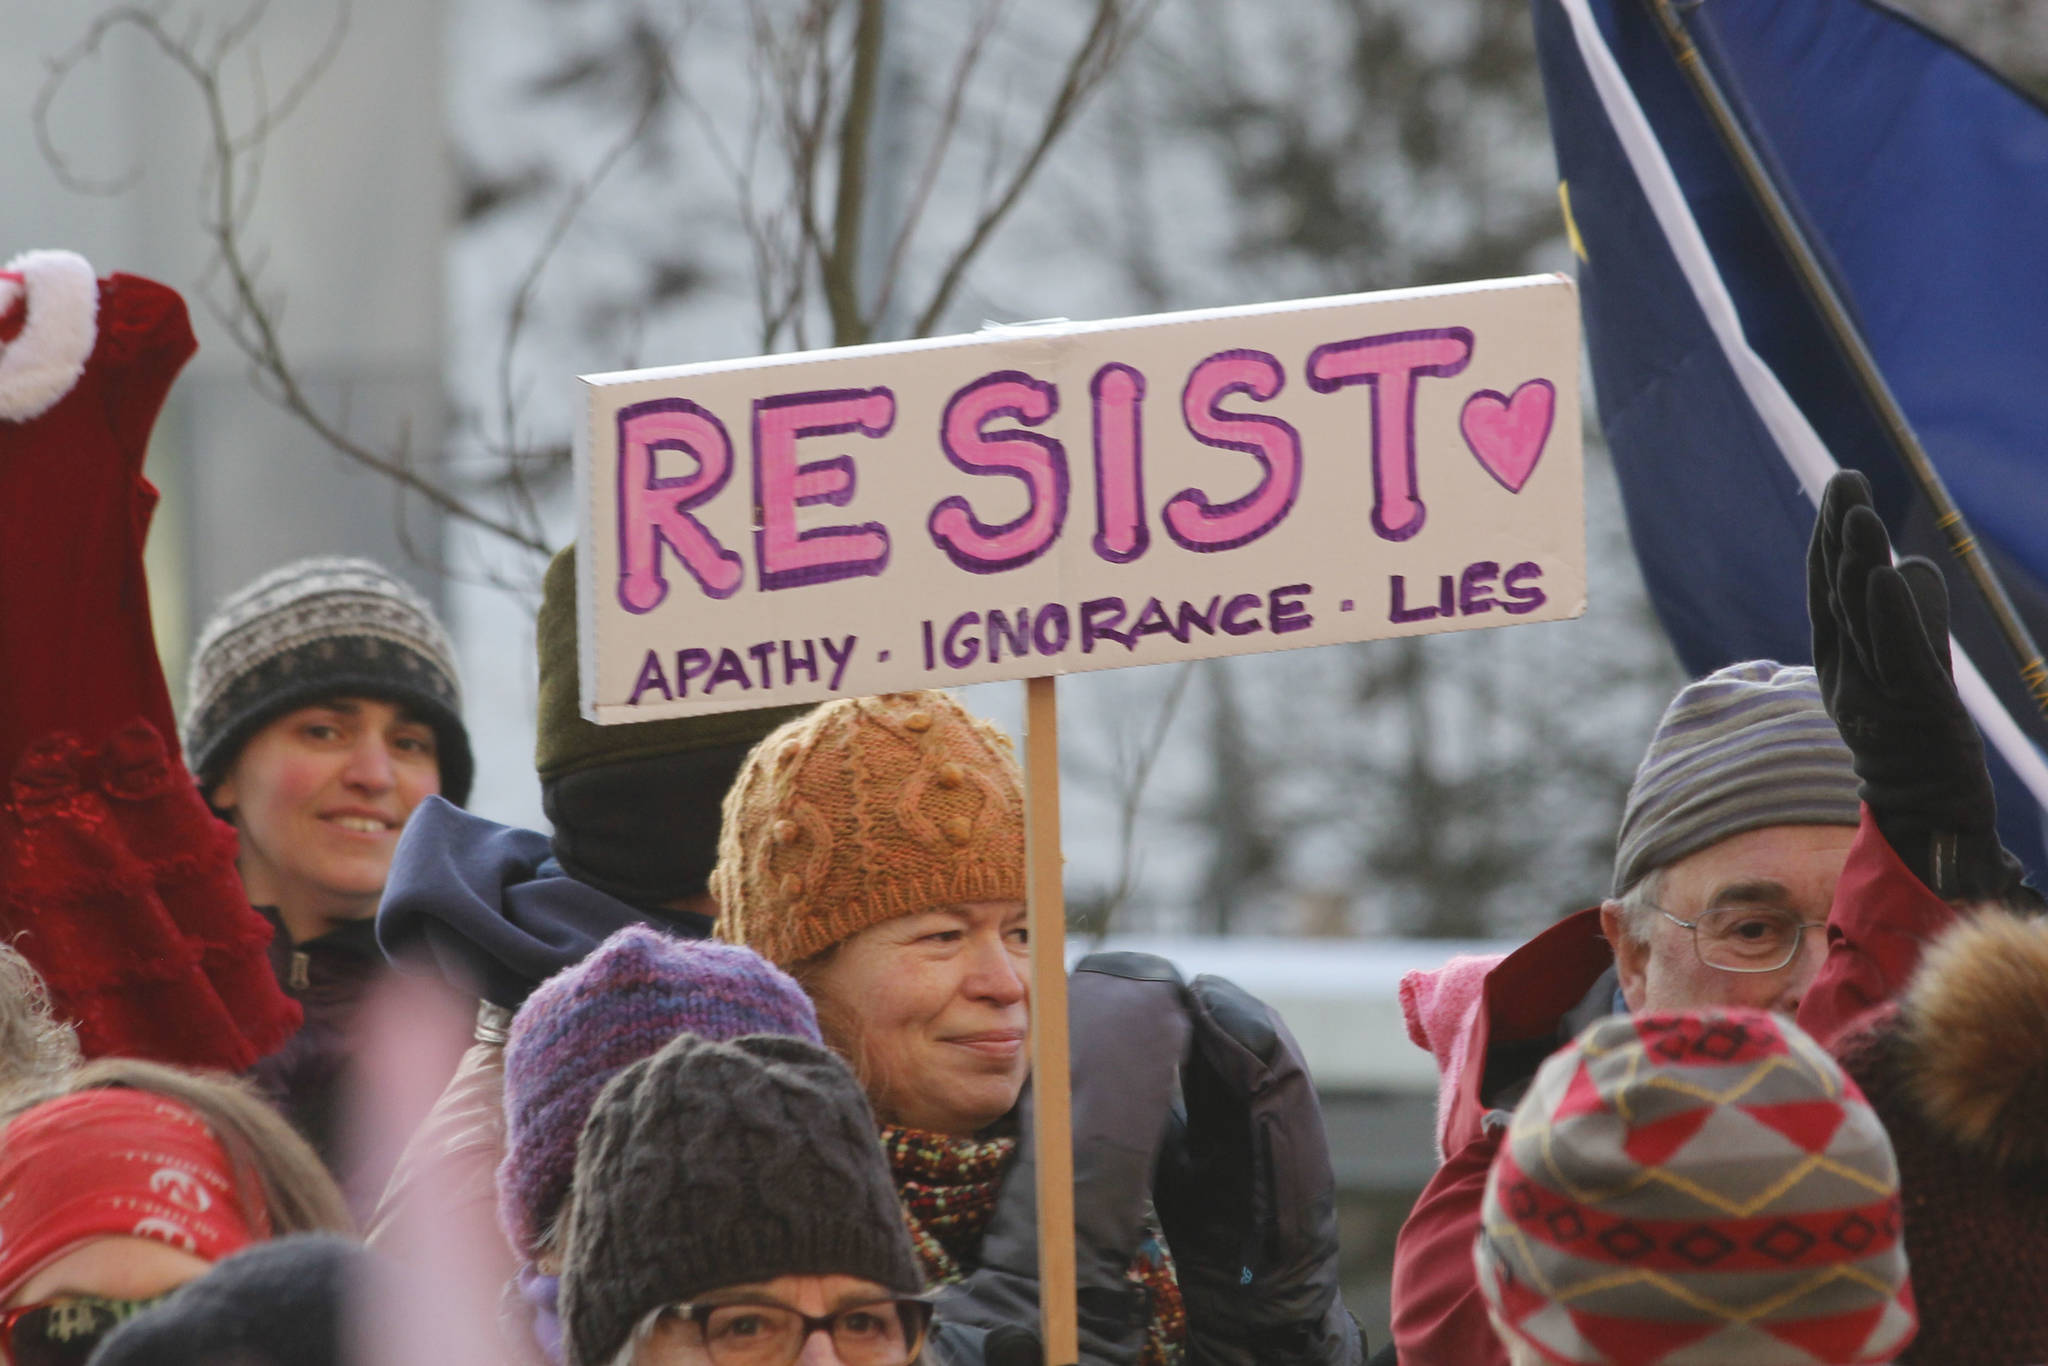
<point>1246,1196</point>
<point>1124,1013</point>
<point>1880,647</point>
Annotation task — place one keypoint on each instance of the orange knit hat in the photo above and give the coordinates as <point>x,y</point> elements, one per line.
<point>864,810</point>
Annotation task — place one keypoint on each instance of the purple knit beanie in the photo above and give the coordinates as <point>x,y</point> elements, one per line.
<point>583,1026</point>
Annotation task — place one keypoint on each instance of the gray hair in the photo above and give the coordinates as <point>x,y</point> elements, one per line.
<point>1639,903</point>
<point>36,1048</point>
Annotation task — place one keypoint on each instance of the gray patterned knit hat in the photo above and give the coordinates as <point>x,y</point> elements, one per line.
<point>1746,747</point>
<point>324,627</point>
<point>724,1163</point>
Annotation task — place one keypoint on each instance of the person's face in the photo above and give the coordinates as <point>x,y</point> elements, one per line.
<point>118,1269</point>
<point>939,1006</point>
<point>679,1342</point>
<point>1793,867</point>
<point>319,796</point>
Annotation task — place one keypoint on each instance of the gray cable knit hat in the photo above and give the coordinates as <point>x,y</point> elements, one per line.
<point>328,626</point>
<point>714,1164</point>
<point>1748,746</point>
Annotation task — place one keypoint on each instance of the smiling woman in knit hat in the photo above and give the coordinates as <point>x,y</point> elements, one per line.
<point>874,849</point>
<point>322,708</point>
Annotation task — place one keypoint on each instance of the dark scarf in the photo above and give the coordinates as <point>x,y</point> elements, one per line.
<point>948,1187</point>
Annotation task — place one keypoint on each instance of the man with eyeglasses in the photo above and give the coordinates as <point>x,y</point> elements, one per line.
<point>1747,873</point>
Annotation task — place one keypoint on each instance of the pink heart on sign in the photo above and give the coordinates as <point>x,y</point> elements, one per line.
<point>1507,434</point>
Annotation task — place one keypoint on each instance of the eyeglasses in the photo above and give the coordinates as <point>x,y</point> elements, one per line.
<point>764,1333</point>
<point>64,1331</point>
<point>1745,938</point>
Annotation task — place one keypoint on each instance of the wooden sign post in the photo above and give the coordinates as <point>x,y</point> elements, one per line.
<point>1028,502</point>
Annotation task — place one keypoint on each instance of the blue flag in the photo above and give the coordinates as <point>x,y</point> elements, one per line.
<point>1921,181</point>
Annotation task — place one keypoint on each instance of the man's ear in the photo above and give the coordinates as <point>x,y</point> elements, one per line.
<point>1631,957</point>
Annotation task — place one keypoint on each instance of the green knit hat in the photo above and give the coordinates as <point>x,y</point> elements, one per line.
<point>635,808</point>
<point>566,742</point>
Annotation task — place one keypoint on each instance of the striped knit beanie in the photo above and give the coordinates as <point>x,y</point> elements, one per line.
<point>1746,747</point>
<point>1688,1188</point>
<point>320,628</point>
<point>581,1027</point>
<point>867,809</point>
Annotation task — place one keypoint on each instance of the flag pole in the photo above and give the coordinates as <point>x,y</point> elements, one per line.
<point>1948,518</point>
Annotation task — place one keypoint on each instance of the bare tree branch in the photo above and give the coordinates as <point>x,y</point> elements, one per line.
<point>842,262</point>
<point>249,319</point>
<point>1114,27</point>
<point>935,156</point>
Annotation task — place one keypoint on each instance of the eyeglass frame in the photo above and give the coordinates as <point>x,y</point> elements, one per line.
<point>11,1318</point>
<point>1693,926</point>
<point>699,1312</point>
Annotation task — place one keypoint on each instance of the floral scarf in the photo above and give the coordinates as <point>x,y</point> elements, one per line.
<point>948,1188</point>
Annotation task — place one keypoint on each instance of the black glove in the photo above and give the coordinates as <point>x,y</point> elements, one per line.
<point>1124,1010</point>
<point>1246,1196</point>
<point>1880,646</point>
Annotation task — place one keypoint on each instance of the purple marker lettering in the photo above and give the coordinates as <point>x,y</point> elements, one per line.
<point>929,664</point>
<point>840,658</point>
<point>1522,599</point>
<point>1445,598</point>
<point>729,670</point>
<point>956,655</point>
<point>1153,621</point>
<point>1392,364</point>
<point>1233,621</point>
<point>1037,460</point>
<point>1475,588</point>
<point>1099,619</point>
<point>1191,519</point>
<point>764,655</point>
<point>651,676</point>
<point>791,662</point>
<point>1118,392</point>
<point>1286,612</point>
<point>655,511</point>
<point>690,663</point>
<point>1401,611</point>
<point>999,630</point>
<point>787,557</point>
<point>1052,615</point>
<point>1206,618</point>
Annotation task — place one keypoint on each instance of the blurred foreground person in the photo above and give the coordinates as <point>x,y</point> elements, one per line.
<point>129,1179</point>
<point>323,707</point>
<point>581,1028</point>
<point>499,910</point>
<point>731,1208</point>
<point>875,850</point>
<point>288,1302</point>
<point>1703,1188</point>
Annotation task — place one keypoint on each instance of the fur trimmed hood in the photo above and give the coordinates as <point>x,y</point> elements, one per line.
<point>42,364</point>
<point>1973,1037</point>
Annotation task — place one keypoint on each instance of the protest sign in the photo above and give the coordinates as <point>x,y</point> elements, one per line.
<point>1040,500</point>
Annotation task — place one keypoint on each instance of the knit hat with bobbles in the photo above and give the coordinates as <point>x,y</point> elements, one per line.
<point>867,809</point>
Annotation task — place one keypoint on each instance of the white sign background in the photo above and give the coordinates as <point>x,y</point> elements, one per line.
<point>845,573</point>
